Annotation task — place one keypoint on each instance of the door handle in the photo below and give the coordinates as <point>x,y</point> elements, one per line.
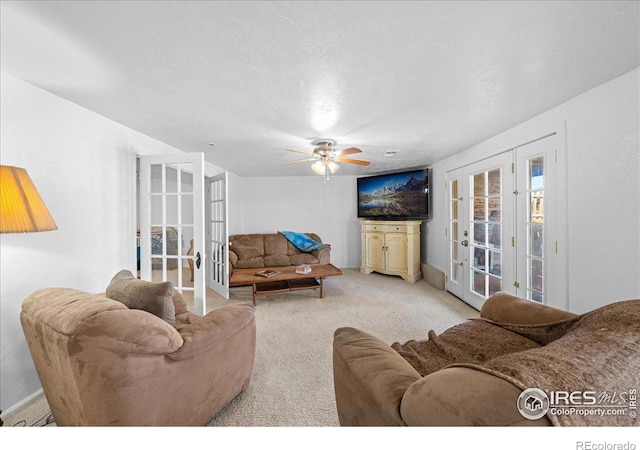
<point>465,243</point>
<point>198,260</point>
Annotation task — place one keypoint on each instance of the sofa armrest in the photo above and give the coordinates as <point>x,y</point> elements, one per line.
<point>508,309</point>
<point>323,254</point>
<point>215,328</point>
<point>370,379</point>
<point>460,396</point>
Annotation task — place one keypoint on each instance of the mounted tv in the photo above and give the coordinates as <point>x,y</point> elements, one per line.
<point>403,195</point>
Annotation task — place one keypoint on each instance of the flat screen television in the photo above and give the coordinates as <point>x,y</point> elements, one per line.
<point>402,195</point>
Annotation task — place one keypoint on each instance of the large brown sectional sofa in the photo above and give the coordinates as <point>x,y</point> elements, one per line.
<point>253,251</point>
<point>479,372</point>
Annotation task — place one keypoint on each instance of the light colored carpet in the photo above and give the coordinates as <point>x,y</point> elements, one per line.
<point>292,383</point>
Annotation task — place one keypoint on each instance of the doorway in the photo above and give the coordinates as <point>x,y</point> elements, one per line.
<point>501,235</point>
<point>171,224</point>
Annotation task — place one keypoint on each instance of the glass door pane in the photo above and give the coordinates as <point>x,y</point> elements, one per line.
<point>535,229</point>
<point>486,226</point>
<point>171,224</point>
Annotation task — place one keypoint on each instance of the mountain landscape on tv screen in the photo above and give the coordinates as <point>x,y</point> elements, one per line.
<point>393,197</point>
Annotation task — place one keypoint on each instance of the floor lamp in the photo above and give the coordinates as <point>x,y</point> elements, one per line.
<point>21,207</point>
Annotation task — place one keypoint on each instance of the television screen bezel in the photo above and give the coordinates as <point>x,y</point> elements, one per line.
<point>427,196</point>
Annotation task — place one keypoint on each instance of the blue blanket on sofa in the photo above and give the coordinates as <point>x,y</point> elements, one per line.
<point>302,242</point>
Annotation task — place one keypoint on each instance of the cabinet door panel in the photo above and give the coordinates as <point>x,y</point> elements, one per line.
<point>375,253</point>
<point>397,247</point>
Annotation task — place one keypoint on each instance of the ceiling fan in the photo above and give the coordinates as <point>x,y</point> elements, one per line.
<point>325,156</point>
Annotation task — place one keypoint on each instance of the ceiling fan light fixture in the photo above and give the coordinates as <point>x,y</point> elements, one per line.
<point>318,167</point>
<point>327,156</point>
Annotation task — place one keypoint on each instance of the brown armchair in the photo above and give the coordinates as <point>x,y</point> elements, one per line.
<point>101,363</point>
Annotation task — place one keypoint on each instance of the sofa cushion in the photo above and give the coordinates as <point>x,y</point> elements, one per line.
<point>277,260</point>
<point>240,240</point>
<point>275,244</point>
<point>257,240</point>
<point>246,252</point>
<point>248,246</point>
<point>251,263</point>
<point>154,298</point>
<point>303,258</point>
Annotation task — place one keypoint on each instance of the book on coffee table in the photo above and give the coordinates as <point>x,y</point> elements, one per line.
<point>267,273</point>
<point>303,269</point>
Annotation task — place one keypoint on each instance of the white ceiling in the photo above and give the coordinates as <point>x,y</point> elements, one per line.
<point>424,79</point>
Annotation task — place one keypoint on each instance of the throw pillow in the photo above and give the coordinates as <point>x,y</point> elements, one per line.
<point>154,298</point>
<point>179,303</point>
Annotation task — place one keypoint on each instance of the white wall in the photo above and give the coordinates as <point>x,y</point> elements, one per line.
<point>235,203</point>
<point>603,179</point>
<point>305,204</point>
<point>82,164</point>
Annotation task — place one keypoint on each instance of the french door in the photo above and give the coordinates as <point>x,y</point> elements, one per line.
<point>456,256</point>
<point>536,251</point>
<point>218,267</point>
<point>481,255</point>
<point>172,233</point>
<point>498,231</point>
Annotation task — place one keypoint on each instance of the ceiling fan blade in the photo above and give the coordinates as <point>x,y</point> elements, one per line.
<point>298,161</point>
<point>298,151</point>
<point>348,151</point>
<point>353,161</point>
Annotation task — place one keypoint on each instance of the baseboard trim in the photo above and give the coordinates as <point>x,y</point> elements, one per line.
<point>22,402</point>
<point>433,276</point>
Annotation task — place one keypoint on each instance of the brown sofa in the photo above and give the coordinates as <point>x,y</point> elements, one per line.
<point>252,251</point>
<point>475,372</point>
<point>101,363</point>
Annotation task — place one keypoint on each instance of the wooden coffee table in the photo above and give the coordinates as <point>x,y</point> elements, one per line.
<point>287,280</point>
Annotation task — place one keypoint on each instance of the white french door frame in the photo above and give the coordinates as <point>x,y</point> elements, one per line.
<point>195,161</point>
<point>479,270</point>
<point>555,274</point>
<point>556,218</point>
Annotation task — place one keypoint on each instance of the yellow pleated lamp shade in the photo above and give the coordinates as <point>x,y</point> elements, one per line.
<point>21,207</point>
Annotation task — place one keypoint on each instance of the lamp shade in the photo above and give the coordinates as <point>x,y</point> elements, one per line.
<point>21,207</point>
